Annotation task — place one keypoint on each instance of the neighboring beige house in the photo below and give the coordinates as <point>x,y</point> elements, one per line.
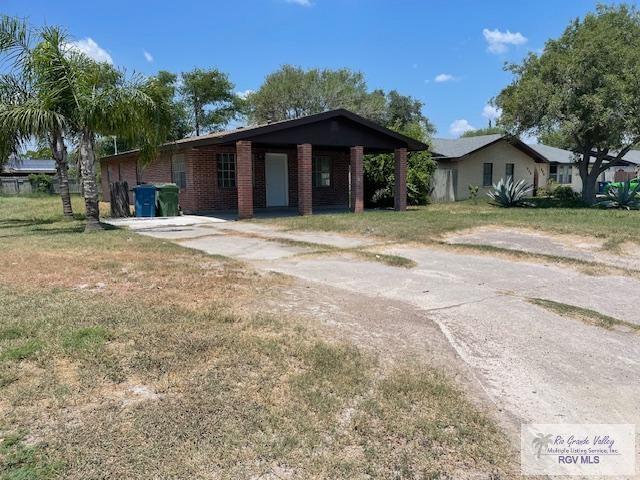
<point>482,161</point>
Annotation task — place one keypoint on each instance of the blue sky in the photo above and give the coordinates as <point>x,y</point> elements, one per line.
<point>449,54</point>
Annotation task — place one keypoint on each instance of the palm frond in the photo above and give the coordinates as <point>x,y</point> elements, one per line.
<point>15,41</point>
<point>29,119</point>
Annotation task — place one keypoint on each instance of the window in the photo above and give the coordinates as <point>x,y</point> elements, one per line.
<point>508,170</point>
<point>487,174</point>
<point>321,171</point>
<point>178,172</point>
<point>226,170</point>
<point>560,174</point>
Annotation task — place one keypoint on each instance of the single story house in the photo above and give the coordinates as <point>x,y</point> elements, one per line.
<point>564,170</point>
<point>14,176</point>
<point>306,163</point>
<point>481,161</point>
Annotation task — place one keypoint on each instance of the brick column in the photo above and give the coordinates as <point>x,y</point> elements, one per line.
<point>357,180</point>
<point>305,194</point>
<point>400,197</point>
<point>244,179</point>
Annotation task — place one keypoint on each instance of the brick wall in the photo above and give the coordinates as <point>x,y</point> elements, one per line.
<point>202,192</point>
<point>337,193</point>
<point>400,194</point>
<point>305,192</point>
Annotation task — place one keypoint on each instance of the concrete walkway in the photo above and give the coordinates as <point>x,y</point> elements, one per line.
<point>533,365</point>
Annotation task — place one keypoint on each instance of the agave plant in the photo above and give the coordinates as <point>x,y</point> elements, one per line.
<point>506,193</point>
<point>626,196</point>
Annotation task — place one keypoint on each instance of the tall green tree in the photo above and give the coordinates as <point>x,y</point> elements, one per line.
<point>209,98</point>
<point>163,89</point>
<point>584,87</point>
<point>292,92</point>
<point>98,99</point>
<point>28,104</point>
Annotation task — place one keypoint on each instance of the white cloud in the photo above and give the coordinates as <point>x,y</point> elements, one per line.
<point>491,112</point>
<point>444,77</point>
<point>90,48</point>
<point>302,3</point>
<point>147,56</point>
<point>499,41</point>
<point>458,127</point>
<point>245,93</point>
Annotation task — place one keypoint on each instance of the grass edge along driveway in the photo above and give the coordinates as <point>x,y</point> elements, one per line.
<point>429,223</point>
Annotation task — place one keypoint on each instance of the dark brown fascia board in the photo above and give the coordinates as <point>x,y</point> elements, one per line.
<point>249,132</point>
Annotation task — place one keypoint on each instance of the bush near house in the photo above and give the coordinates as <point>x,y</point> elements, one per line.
<point>41,183</point>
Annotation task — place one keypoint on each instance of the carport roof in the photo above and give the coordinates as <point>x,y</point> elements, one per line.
<point>334,128</point>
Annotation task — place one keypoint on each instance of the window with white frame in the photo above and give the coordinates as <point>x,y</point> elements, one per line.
<point>321,171</point>
<point>560,174</point>
<point>178,171</point>
<point>226,170</point>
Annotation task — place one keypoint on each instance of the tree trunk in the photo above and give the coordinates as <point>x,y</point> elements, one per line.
<point>59,151</point>
<point>589,188</point>
<point>90,188</point>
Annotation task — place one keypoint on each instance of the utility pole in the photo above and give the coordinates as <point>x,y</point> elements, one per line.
<point>115,144</point>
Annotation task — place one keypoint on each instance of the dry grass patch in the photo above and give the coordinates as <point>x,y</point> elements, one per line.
<point>123,356</point>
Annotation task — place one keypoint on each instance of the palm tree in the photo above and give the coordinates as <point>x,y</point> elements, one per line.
<point>27,109</point>
<point>541,441</point>
<point>98,99</point>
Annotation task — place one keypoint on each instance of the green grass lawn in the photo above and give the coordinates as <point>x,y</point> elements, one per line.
<point>428,223</point>
<point>123,356</point>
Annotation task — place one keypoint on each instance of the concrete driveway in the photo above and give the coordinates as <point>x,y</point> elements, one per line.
<point>531,363</point>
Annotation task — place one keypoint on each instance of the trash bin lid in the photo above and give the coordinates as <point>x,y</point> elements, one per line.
<point>166,186</point>
<point>145,186</point>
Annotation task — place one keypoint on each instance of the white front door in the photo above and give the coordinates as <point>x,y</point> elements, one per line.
<point>276,179</point>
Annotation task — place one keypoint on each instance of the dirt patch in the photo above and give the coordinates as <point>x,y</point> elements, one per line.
<point>395,332</point>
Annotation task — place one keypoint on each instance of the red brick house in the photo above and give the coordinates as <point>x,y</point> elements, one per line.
<point>306,163</point>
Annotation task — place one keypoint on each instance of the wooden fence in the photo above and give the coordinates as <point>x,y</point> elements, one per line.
<point>22,185</point>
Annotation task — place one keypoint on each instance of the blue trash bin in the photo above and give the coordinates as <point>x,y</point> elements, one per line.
<point>145,200</point>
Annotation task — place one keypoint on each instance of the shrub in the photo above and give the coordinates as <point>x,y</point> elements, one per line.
<point>548,189</point>
<point>625,197</point>
<point>473,192</point>
<point>41,182</point>
<point>565,193</point>
<point>507,194</point>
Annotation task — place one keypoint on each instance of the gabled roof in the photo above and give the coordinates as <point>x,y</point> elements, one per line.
<point>286,131</point>
<point>559,155</point>
<point>19,164</point>
<point>460,147</point>
<point>554,154</point>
